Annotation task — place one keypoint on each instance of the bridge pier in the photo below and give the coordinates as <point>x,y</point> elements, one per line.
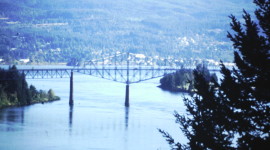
<point>127,96</point>
<point>71,89</point>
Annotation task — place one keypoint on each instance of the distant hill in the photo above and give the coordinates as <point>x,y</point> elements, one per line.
<point>63,30</point>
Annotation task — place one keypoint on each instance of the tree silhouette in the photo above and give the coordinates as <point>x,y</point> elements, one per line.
<point>233,114</point>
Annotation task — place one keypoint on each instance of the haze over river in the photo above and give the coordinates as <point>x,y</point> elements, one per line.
<point>98,119</point>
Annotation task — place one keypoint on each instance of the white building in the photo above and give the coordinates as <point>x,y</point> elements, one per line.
<point>142,56</point>
<point>24,60</point>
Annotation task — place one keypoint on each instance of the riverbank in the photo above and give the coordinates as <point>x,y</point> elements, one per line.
<point>14,90</point>
<point>10,105</point>
<point>175,90</point>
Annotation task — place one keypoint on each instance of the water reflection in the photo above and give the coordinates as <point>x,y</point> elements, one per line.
<point>126,117</point>
<point>70,118</point>
<point>1,115</point>
<point>11,116</point>
<point>22,115</point>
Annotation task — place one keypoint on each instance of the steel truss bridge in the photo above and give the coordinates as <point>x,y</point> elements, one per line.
<point>126,68</point>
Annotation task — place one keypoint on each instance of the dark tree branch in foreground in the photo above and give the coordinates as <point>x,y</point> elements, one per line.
<point>233,114</point>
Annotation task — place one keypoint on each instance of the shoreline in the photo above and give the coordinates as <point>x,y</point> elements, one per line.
<point>34,63</point>
<point>41,102</point>
<point>177,90</point>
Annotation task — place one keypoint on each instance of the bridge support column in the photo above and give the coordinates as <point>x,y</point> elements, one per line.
<point>127,96</point>
<point>71,90</point>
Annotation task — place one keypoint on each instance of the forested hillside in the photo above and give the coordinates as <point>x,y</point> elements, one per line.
<point>14,90</point>
<point>63,30</point>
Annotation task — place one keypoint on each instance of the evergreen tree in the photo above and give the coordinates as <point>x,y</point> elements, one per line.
<point>183,79</point>
<point>51,94</point>
<point>238,108</point>
<point>14,90</point>
<point>252,96</point>
<point>33,92</point>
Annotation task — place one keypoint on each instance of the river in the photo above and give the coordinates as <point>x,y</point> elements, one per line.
<point>97,121</point>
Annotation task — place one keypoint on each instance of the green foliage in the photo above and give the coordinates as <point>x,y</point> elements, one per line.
<point>3,98</point>
<point>183,80</point>
<point>52,96</point>
<point>233,114</point>
<point>15,86</point>
<point>14,90</point>
<point>34,29</point>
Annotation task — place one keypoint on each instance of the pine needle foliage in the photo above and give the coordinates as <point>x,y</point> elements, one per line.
<point>233,114</point>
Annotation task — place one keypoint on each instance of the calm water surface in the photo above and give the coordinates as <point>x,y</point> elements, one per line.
<point>97,121</point>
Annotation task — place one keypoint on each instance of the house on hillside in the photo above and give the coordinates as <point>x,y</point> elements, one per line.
<point>24,60</point>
